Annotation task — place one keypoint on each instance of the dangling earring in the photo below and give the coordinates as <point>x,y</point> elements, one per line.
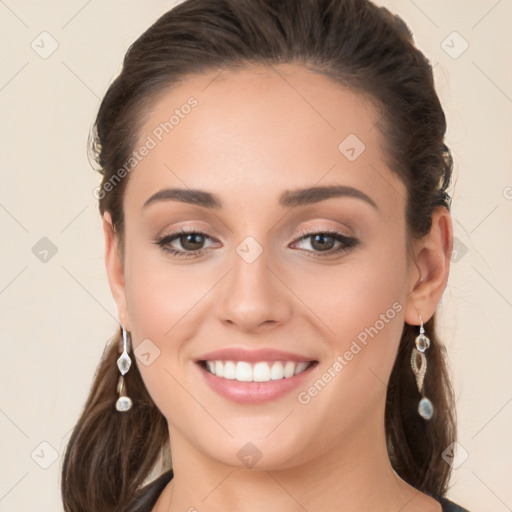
<point>419,367</point>
<point>124,403</point>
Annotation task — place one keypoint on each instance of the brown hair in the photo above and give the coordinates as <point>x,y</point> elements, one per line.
<point>360,46</point>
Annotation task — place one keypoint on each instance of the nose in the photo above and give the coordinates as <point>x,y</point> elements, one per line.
<point>254,297</point>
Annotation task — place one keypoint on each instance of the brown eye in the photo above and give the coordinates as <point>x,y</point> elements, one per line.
<point>191,241</point>
<point>184,243</point>
<point>322,242</point>
<point>325,242</point>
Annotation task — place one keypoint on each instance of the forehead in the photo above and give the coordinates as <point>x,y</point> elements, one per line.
<point>258,128</point>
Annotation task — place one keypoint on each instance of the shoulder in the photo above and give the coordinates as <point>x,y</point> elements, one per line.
<point>449,506</point>
<point>146,497</point>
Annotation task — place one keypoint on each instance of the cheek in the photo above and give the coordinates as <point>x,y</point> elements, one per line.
<point>159,291</point>
<point>169,305</point>
<point>351,297</point>
<point>363,303</point>
<point>162,304</point>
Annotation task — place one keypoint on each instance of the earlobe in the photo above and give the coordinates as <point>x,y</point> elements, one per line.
<point>114,268</point>
<point>431,268</point>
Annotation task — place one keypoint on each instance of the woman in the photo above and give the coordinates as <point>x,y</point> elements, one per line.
<point>278,237</point>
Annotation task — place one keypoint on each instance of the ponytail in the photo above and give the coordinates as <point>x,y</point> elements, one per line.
<point>415,446</point>
<point>110,453</point>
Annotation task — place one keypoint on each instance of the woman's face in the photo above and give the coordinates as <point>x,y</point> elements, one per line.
<point>251,142</point>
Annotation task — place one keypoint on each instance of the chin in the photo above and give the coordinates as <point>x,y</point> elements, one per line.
<point>258,454</point>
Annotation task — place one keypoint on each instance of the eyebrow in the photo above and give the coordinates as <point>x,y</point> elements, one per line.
<point>288,199</point>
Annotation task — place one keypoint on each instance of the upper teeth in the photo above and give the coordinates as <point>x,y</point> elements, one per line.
<point>256,372</point>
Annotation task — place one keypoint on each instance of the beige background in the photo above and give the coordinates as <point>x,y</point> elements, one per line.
<point>56,316</point>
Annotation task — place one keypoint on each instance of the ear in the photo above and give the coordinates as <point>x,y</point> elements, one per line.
<point>115,271</point>
<point>429,268</point>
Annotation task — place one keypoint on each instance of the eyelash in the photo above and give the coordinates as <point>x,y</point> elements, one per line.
<point>346,241</point>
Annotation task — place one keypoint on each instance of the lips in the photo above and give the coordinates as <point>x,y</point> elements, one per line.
<point>253,356</point>
<point>254,376</point>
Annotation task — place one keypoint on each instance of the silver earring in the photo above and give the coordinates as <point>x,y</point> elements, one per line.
<point>124,403</point>
<point>419,368</point>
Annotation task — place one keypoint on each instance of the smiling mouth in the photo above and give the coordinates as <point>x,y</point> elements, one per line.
<point>261,371</point>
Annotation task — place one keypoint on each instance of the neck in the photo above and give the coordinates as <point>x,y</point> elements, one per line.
<point>355,475</point>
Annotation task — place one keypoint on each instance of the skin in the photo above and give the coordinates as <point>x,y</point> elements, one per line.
<point>255,133</point>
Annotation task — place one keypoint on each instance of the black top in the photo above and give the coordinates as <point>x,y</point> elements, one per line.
<point>148,496</point>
